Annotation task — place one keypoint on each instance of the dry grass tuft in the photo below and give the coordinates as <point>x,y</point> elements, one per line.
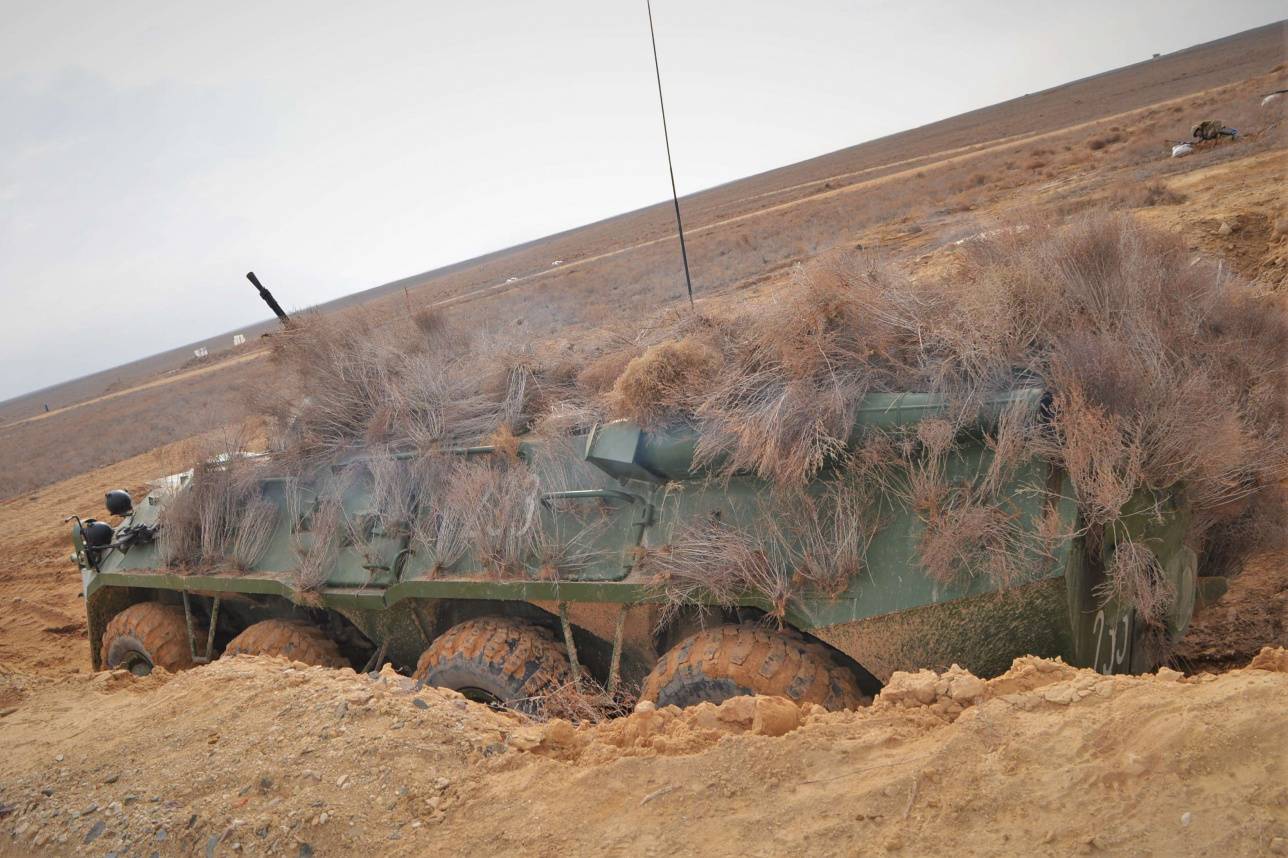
<point>586,702</point>
<point>660,381</point>
<point>221,517</point>
<point>1135,577</point>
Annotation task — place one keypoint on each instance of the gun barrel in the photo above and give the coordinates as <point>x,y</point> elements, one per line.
<point>268,298</point>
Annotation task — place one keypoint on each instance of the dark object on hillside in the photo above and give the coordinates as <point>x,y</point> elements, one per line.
<point>118,502</point>
<point>1211,129</point>
<point>268,298</point>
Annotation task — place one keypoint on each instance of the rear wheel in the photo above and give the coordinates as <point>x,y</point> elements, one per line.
<point>727,661</point>
<point>498,660</point>
<point>297,640</point>
<point>148,635</point>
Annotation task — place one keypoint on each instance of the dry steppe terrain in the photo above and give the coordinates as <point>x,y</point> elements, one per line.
<point>256,756</point>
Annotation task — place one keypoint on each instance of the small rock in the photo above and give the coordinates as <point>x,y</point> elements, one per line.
<point>646,706</point>
<point>342,781</point>
<point>559,732</point>
<point>420,704</point>
<point>775,716</point>
<point>212,843</point>
<point>738,710</point>
<point>966,688</point>
<point>442,783</point>
<point>524,739</point>
<point>7,711</point>
<point>58,758</point>
<point>305,851</point>
<point>1224,229</point>
<point>161,835</point>
<point>341,709</point>
<point>1187,818</point>
<point>1278,846</point>
<point>93,806</point>
<point>46,791</point>
<point>112,778</point>
<point>95,830</point>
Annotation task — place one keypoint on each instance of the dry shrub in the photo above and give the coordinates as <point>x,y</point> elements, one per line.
<point>254,531</point>
<point>440,530</point>
<point>602,373</point>
<point>359,381</point>
<point>1165,374</point>
<point>714,562</point>
<point>503,501</point>
<point>1149,195</point>
<point>967,535</point>
<point>586,702</point>
<point>1134,577</point>
<point>221,516</point>
<point>659,381</point>
<point>1097,143</point>
<point>800,541</point>
<point>320,532</point>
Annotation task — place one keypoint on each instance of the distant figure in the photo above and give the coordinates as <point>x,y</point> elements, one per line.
<point>1211,129</point>
<point>46,407</point>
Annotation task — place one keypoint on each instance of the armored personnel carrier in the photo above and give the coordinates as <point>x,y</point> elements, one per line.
<point>542,599</point>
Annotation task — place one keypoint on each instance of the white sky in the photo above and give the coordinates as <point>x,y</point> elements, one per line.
<point>152,152</point>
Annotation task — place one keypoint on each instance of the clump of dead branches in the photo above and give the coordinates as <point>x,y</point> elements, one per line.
<point>220,517</point>
<point>1161,372</point>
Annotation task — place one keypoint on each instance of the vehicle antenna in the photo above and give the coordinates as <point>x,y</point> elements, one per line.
<point>679,224</point>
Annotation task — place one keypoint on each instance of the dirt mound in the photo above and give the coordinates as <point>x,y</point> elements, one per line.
<point>1253,613</point>
<point>260,756</point>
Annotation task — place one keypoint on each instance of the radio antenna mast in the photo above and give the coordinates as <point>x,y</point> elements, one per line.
<point>675,197</point>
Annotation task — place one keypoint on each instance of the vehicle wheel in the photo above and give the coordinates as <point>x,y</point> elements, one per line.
<point>148,635</point>
<point>297,640</point>
<point>726,661</point>
<point>498,660</point>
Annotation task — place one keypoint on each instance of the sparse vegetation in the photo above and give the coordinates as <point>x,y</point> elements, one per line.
<point>1095,144</point>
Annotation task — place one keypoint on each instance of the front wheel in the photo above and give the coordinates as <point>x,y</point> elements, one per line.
<point>148,635</point>
<point>731,660</point>
<point>497,660</point>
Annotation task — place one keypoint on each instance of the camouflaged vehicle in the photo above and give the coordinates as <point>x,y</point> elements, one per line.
<point>512,638</point>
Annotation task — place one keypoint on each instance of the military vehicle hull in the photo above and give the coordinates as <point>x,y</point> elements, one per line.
<point>385,600</point>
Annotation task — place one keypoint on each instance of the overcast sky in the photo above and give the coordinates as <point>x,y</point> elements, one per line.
<point>152,152</point>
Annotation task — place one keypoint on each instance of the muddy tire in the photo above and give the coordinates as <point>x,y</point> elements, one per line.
<point>148,635</point>
<point>296,640</point>
<point>496,660</point>
<point>727,661</point>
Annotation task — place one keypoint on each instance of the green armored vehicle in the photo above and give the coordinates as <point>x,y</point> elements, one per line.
<point>510,571</point>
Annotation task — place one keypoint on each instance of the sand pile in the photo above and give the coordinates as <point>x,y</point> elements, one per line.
<point>258,756</point>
